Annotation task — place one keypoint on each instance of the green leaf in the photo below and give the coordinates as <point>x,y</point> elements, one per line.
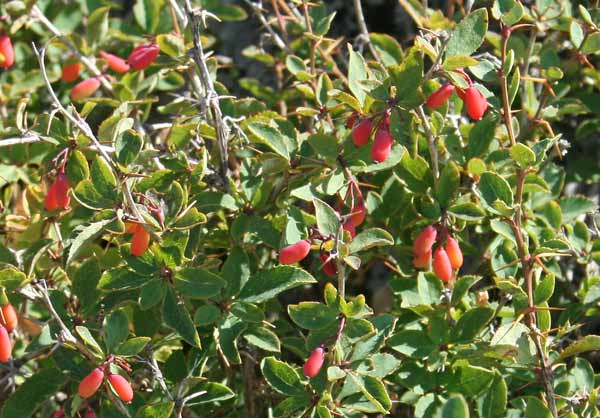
<point>312,315</point>
<point>121,279</point>
<point>471,324</point>
<point>269,136</point>
<point>85,236</point>
<point>116,329</point>
<point>328,220</point>
<point>77,167</point>
<point>481,136</point>
<point>467,211</point>
<point>494,187</point>
<point>407,76</point>
<point>88,338</point>
<point>128,146</point>
<point>228,332</point>
<point>206,315</point>
<point>412,343</point>
<point>522,154</point>
<point>576,33</point>
<point>493,402</point>
<point>574,206</point>
<point>11,278</point>
<point>170,44</point>
<point>147,14</point>
<point>591,44</point>
<point>161,410</point>
<point>388,48</point>
<point>30,395</point>
<point>373,237</point>
<point>587,343</point>
<point>462,286</point>
<point>536,409</point>
<point>85,279</point>
<point>468,34</point>
<point>87,194</point>
<point>178,318</point>
<point>448,183</point>
<point>325,145</point>
<point>544,290</point>
<point>132,346</point>
<point>374,390</point>
<point>215,392</point>
<point>267,284</point>
<point>474,380</point>
<point>263,338</point>
<point>357,71</point>
<point>282,377</point>
<point>198,283</point>
<point>236,271</point>
<point>455,407</point>
<point>103,179</point>
<point>458,61</point>
<point>97,25</point>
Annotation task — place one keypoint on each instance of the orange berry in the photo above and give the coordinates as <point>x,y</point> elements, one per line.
<point>422,261</point>
<point>359,213</point>
<point>70,72</point>
<point>315,361</point>
<point>91,383</point>
<point>425,241</point>
<point>295,252</point>
<point>9,317</point>
<point>441,265</point>
<point>7,52</point>
<point>115,62</point>
<point>121,386</point>
<point>140,241</point>
<point>5,345</point>
<point>85,89</point>
<point>454,253</point>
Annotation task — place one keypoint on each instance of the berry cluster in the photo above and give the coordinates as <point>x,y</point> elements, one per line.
<point>90,384</point>
<point>362,131</point>
<point>446,258</point>
<point>8,322</point>
<point>474,100</point>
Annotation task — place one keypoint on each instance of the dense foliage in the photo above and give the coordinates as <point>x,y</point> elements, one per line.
<point>323,226</point>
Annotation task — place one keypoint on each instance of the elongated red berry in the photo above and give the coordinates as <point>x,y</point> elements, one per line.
<point>70,72</point>
<point>329,267</point>
<point>50,203</point>
<point>441,265</point>
<point>382,145</point>
<point>115,62</point>
<point>85,89</point>
<point>425,241</point>
<point>90,384</point>
<point>7,53</point>
<point>359,213</point>
<point>5,345</point>
<point>294,253</point>
<point>130,227</point>
<point>475,102</point>
<point>422,261</point>
<point>439,97</point>
<point>140,241</point>
<point>454,253</point>
<point>143,55</point>
<point>313,364</point>
<point>121,386</point>
<point>362,132</point>
<point>9,318</point>
<point>349,226</point>
<point>62,186</point>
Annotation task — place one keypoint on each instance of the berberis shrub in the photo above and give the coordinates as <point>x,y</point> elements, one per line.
<point>253,209</point>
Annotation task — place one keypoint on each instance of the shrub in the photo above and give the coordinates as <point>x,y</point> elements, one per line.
<point>319,227</point>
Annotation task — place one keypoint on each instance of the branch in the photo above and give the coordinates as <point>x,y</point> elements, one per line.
<point>431,142</point>
<point>364,31</point>
<point>31,138</point>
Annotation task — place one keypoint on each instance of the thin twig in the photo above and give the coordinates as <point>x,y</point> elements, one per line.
<point>31,138</point>
<point>431,142</point>
<point>364,31</point>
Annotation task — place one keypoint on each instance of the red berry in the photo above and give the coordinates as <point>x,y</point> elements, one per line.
<point>115,62</point>
<point>5,345</point>
<point>475,102</point>
<point>8,318</point>
<point>143,55</point>
<point>329,267</point>
<point>422,261</point>
<point>441,265</point>
<point>351,120</point>
<point>382,145</point>
<point>439,97</point>
<point>349,226</point>
<point>50,200</point>
<point>425,241</point>
<point>359,212</point>
<point>59,414</point>
<point>454,253</point>
<point>85,89</point>
<point>362,132</point>
<point>130,227</point>
<point>295,252</point>
<point>90,414</point>
<point>62,191</point>
<point>7,53</point>
<point>90,384</point>
<point>121,386</point>
<point>314,362</point>
<point>70,72</point>
<point>140,241</point>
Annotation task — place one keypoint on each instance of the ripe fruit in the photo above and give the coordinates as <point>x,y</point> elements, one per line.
<point>349,226</point>
<point>7,53</point>
<point>314,362</point>
<point>454,253</point>
<point>329,267</point>
<point>382,145</point>
<point>59,414</point>
<point>422,261</point>
<point>140,241</point>
<point>130,227</point>
<point>143,55</point>
<point>362,132</point>
<point>90,384</point>
<point>441,265</point>
<point>475,102</point>
<point>425,241</point>
<point>359,212</point>
<point>439,97</point>
<point>85,89</point>
<point>115,62</point>
<point>58,194</point>
<point>70,72</point>
<point>295,252</point>
<point>351,120</point>
<point>5,345</point>
<point>121,386</point>
<point>8,319</point>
